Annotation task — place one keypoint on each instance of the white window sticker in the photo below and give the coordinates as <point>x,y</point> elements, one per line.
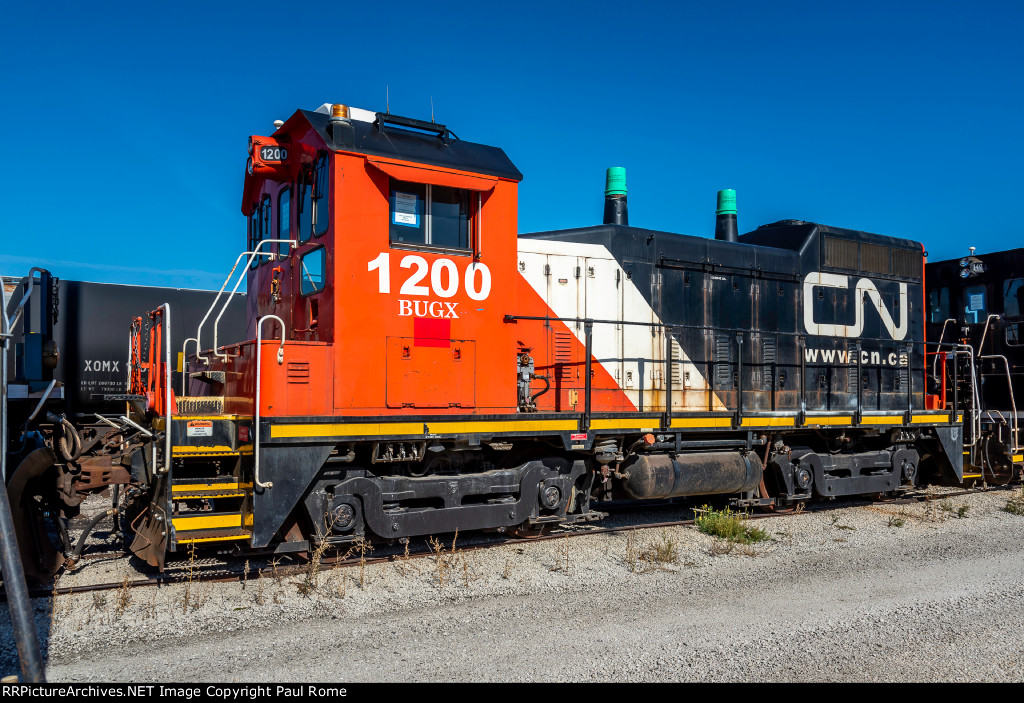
<point>977,301</point>
<point>406,207</point>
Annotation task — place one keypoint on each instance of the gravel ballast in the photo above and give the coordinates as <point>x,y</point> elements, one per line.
<point>881,592</point>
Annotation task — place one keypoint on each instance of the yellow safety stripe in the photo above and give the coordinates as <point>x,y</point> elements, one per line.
<point>192,487</point>
<point>381,429</point>
<point>769,422</point>
<point>207,522</point>
<point>1017,457</point>
<point>633,423</point>
<point>918,419</point>
<point>387,429</point>
<point>196,540</point>
<point>189,449</point>
<point>701,422</point>
<point>207,495</point>
<point>829,420</point>
<point>880,419</point>
<point>211,417</point>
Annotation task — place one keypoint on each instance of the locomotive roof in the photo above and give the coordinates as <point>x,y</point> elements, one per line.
<point>992,256</point>
<point>795,234</point>
<point>409,145</point>
<point>792,235</point>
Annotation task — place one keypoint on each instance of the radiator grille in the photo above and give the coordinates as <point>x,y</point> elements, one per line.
<point>906,263</point>
<point>841,253</point>
<point>874,258</point>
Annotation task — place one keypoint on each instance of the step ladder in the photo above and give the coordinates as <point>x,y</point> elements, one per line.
<point>210,509</point>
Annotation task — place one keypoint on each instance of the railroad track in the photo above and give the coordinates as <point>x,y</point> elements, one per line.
<point>213,570</point>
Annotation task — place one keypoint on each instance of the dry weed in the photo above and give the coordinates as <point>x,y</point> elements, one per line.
<point>124,598</point>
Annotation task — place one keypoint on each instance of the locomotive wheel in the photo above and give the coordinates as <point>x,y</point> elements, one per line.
<point>777,508</point>
<point>525,530</point>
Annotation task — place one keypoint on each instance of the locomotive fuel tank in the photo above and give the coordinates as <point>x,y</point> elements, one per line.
<point>663,476</point>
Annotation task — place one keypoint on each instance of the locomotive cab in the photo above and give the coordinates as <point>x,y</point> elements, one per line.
<point>380,242</point>
<point>976,315</point>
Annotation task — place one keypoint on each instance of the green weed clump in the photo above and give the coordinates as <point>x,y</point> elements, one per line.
<point>728,525</point>
<point>1015,506</point>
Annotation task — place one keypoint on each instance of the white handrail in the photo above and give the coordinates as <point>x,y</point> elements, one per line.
<point>290,242</point>
<point>938,345</point>
<point>251,254</point>
<point>167,391</point>
<point>975,397</point>
<point>981,346</point>
<point>167,387</point>
<point>1013,403</point>
<point>256,414</point>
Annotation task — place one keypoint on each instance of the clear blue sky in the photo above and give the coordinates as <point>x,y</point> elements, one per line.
<point>126,124</point>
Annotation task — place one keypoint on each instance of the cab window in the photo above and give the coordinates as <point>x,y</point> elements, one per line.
<point>312,271</point>
<point>284,231</point>
<point>408,222</point>
<point>259,229</point>
<point>429,215</point>
<point>1013,297</point>
<point>1013,334</point>
<point>305,198</point>
<point>975,307</point>
<point>321,197</point>
<point>938,305</point>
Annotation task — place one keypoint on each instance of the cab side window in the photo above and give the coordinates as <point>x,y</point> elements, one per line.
<point>284,231</point>
<point>975,307</point>
<point>321,197</point>
<point>938,305</point>
<point>430,215</point>
<point>1013,297</point>
<point>312,271</point>
<point>305,198</point>
<point>259,229</point>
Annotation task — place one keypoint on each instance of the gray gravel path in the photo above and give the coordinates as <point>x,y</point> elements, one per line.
<point>843,595</point>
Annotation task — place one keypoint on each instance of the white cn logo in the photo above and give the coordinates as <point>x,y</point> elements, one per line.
<point>865,292</point>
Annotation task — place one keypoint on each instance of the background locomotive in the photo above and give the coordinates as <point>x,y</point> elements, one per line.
<point>975,310</point>
<point>413,365</point>
<point>66,371</point>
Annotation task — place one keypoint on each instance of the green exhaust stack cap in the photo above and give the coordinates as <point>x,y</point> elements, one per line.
<point>726,202</point>
<point>615,181</point>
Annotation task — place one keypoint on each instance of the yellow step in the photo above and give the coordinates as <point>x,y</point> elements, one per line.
<point>210,521</point>
<point>213,535</point>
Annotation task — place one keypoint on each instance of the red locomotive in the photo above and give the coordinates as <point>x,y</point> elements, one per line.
<point>415,366</point>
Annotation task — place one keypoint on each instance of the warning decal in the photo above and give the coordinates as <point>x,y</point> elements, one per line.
<point>199,428</point>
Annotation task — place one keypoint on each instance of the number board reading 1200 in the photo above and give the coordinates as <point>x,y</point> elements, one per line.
<point>273,153</point>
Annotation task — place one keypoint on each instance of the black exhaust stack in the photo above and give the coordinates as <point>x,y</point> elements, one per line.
<point>615,212</point>
<point>725,216</point>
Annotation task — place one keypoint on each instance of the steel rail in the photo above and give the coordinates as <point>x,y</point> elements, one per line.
<point>335,561</point>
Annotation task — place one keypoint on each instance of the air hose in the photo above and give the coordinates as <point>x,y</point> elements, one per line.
<point>547,387</point>
<point>77,554</point>
<point>70,444</point>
